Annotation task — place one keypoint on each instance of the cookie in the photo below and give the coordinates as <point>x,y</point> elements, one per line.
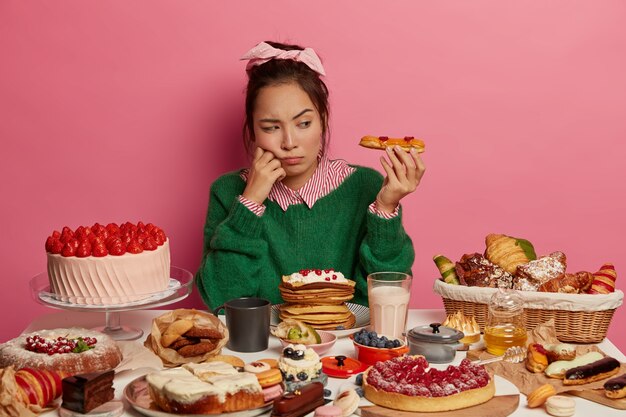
<point>183,341</point>
<point>196,349</point>
<point>203,333</point>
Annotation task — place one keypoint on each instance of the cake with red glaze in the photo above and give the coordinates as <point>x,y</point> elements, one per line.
<point>109,264</point>
<point>407,383</point>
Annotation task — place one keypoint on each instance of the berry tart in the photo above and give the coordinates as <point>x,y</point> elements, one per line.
<point>406,383</point>
<point>73,351</point>
<point>108,264</point>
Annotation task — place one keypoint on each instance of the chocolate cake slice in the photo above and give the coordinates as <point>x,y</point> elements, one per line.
<point>83,393</point>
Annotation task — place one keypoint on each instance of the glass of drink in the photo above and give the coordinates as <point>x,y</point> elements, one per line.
<point>389,294</point>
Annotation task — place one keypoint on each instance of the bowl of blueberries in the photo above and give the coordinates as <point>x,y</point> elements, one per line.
<point>371,347</point>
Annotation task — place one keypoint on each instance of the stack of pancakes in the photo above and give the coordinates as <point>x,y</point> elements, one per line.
<point>319,300</point>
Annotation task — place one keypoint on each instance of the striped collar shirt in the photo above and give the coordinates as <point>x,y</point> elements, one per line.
<point>326,178</point>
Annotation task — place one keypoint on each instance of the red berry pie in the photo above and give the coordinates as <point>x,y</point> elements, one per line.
<point>406,383</point>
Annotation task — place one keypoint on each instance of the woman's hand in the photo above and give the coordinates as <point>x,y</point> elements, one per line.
<point>404,172</point>
<point>264,172</point>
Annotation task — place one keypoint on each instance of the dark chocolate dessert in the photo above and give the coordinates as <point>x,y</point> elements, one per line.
<point>82,393</point>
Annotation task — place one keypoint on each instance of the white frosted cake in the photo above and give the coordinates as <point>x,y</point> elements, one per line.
<point>204,390</point>
<point>108,265</point>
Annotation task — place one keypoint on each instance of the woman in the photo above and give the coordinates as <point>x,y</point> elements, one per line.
<point>294,208</point>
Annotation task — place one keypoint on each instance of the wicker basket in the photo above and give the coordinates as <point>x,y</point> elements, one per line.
<point>578,318</point>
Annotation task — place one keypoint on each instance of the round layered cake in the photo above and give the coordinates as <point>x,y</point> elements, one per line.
<point>406,383</point>
<point>72,350</point>
<point>101,265</point>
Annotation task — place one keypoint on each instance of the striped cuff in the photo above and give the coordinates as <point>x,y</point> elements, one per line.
<point>374,210</point>
<point>253,206</point>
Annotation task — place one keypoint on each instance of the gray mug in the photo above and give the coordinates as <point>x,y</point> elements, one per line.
<point>248,322</point>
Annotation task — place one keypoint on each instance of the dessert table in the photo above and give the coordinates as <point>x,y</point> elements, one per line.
<point>143,319</point>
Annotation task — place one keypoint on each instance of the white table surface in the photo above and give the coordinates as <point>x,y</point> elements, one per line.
<point>143,318</point>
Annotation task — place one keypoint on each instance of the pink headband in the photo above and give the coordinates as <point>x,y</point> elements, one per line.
<point>264,52</point>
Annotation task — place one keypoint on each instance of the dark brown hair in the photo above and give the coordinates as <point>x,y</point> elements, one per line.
<point>279,71</point>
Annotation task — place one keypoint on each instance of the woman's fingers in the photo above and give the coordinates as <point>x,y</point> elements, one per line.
<point>391,175</point>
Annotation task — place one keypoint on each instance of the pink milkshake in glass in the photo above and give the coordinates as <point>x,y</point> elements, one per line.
<point>389,294</point>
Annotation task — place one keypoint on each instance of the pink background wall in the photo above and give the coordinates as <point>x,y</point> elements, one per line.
<point>115,111</point>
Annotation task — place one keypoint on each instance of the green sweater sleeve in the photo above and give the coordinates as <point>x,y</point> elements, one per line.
<point>233,248</point>
<point>386,246</point>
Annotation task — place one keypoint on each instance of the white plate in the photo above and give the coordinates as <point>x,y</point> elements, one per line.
<point>52,299</point>
<point>137,395</point>
<point>361,314</point>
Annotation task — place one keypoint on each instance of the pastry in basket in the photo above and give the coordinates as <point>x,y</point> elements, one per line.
<point>406,383</point>
<point>508,252</point>
<point>465,324</point>
<point>474,270</point>
<point>446,268</point>
<point>603,280</point>
<point>615,387</point>
<point>531,275</point>
<point>72,350</point>
<point>576,283</point>
<point>193,390</point>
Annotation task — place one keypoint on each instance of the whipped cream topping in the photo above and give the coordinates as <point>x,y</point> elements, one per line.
<point>180,384</point>
<point>310,364</point>
<point>204,370</point>
<point>310,276</point>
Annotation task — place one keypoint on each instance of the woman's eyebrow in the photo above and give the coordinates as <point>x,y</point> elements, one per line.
<point>301,113</point>
<point>293,118</point>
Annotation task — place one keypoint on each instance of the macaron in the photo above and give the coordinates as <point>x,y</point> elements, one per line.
<point>272,392</point>
<point>348,401</point>
<point>328,411</point>
<point>560,406</point>
<point>269,378</point>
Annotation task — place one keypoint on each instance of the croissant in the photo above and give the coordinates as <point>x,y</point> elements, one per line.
<point>604,280</point>
<point>568,283</point>
<point>508,252</point>
<point>446,267</point>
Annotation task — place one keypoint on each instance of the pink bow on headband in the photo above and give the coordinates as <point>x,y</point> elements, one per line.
<point>264,52</point>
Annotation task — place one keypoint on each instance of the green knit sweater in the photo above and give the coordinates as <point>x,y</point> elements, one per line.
<point>246,254</point>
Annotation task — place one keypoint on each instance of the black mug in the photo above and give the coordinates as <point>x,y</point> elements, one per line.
<point>248,322</point>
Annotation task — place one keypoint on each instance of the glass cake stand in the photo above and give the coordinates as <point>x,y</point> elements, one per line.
<point>179,287</point>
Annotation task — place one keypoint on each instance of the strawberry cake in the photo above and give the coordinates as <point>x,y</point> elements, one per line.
<point>406,383</point>
<point>104,265</point>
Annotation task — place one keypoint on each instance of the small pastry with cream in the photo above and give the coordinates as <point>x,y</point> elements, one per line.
<point>465,324</point>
